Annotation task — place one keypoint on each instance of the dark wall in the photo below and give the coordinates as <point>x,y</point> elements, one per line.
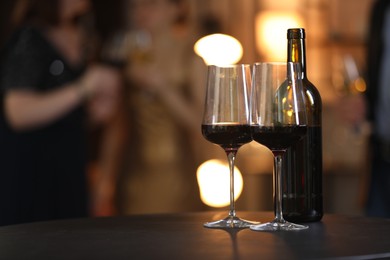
<point>6,7</point>
<point>109,16</point>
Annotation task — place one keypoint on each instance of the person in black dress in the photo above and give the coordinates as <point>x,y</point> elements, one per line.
<point>44,83</point>
<point>378,108</point>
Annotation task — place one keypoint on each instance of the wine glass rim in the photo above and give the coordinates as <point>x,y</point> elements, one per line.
<point>273,62</point>
<point>228,66</point>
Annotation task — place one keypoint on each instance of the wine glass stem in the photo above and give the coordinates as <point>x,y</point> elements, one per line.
<point>278,161</point>
<point>231,158</point>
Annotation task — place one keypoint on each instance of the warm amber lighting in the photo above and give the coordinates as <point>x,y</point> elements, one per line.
<point>219,49</point>
<point>271,33</point>
<point>214,183</point>
<point>360,85</point>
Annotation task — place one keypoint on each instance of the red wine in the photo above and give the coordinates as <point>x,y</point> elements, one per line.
<point>278,137</point>
<point>302,192</point>
<point>227,136</point>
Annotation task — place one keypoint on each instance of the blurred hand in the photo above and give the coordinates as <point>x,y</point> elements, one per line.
<point>103,85</point>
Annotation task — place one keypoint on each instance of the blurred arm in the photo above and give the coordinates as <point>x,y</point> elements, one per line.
<point>26,109</point>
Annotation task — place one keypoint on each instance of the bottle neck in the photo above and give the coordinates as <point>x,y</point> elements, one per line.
<point>296,53</point>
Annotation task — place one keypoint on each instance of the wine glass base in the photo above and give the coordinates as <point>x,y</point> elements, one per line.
<point>230,222</point>
<point>278,226</point>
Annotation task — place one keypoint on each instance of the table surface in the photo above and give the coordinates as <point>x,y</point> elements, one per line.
<point>182,236</point>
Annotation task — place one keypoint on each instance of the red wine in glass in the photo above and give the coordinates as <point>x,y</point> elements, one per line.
<point>226,123</point>
<point>278,138</point>
<point>278,121</point>
<point>228,136</point>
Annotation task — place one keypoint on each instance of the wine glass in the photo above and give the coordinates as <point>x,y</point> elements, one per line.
<point>226,123</point>
<point>140,45</point>
<point>278,120</point>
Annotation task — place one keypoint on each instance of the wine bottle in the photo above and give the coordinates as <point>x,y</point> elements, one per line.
<point>302,181</point>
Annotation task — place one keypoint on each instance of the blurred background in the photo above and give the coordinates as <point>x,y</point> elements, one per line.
<point>336,33</point>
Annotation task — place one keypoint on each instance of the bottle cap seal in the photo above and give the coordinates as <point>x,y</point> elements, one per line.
<point>296,33</point>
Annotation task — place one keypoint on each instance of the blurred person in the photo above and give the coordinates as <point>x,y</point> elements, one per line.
<point>375,106</point>
<point>165,103</point>
<point>378,108</point>
<point>47,91</point>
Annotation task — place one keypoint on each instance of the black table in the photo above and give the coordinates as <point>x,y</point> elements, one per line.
<point>182,236</point>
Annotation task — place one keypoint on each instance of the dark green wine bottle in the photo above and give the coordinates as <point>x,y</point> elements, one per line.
<point>302,180</point>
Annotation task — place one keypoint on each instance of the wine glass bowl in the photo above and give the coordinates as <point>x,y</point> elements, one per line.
<point>226,123</point>
<point>228,135</point>
<point>278,120</point>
